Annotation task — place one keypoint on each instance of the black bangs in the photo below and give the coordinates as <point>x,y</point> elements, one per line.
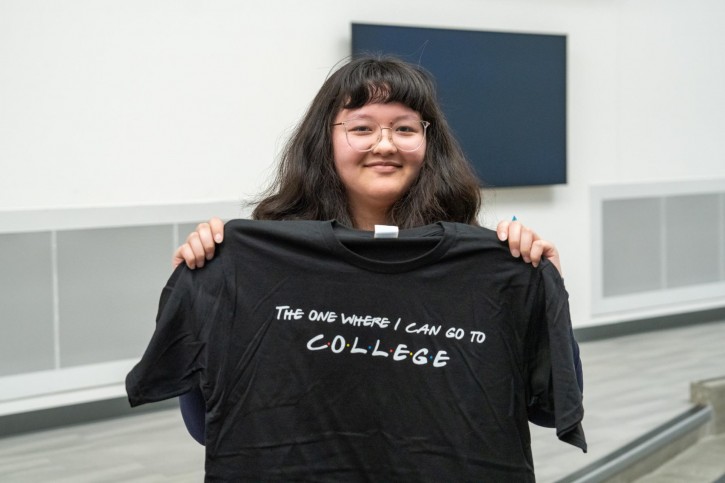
<point>385,80</point>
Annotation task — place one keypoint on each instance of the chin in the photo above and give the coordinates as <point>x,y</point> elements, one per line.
<point>384,200</point>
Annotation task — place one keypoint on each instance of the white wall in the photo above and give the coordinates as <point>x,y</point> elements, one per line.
<point>150,102</point>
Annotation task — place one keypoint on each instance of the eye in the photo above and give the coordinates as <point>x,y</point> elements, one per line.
<point>408,128</point>
<point>361,128</point>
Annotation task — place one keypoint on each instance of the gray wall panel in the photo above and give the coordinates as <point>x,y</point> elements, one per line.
<point>692,235</point>
<point>631,246</point>
<point>26,298</point>
<point>183,230</point>
<point>109,284</point>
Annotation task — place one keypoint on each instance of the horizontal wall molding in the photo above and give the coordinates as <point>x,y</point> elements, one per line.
<point>69,414</point>
<point>26,221</point>
<point>651,324</point>
<point>36,384</point>
<point>52,400</point>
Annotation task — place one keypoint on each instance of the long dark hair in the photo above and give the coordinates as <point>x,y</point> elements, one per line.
<point>307,186</point>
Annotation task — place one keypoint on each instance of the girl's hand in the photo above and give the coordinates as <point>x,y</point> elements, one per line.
<point>200,244</point>
<point>525,243</point>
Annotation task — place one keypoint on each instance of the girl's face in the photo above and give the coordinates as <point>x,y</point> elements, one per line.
<point>376,179</point>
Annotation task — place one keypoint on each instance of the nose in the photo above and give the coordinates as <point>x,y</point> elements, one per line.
<point>386,143</point>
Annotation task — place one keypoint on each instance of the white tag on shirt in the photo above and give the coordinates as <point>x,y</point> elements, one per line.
<point>386,231</point>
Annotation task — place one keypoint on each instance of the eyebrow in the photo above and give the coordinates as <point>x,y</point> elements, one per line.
<point>373,118</point>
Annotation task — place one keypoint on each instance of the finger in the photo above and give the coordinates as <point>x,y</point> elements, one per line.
<point>502,230</point>
<point>548,252</point>
<point>514,238</point>
<point>537,251</point>
<point>528,237</point>
<point>206,239</point>
<point>184,254</point>
<point>178,257</point>
<point>197,249</point>
<point>552,254</point>
<point>217,229</point>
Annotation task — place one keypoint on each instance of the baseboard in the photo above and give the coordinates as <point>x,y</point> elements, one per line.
<point>651,324</point>
<point>64,416</point>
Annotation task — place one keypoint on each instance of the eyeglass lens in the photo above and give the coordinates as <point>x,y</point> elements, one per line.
<point>364,134</point>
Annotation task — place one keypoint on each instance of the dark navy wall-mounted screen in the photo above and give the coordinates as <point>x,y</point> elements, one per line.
<point>504,95</point>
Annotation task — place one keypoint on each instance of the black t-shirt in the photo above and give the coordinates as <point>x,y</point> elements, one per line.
<point>324,354</point>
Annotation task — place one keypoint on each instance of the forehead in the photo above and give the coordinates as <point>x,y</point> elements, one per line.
<point>388,112</point>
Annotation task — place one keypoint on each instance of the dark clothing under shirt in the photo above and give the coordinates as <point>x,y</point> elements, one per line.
<point>324,354</point>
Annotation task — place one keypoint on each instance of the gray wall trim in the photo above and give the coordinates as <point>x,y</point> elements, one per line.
<point>26,221</point>
<point>64,416</point>
<point>607,331</point>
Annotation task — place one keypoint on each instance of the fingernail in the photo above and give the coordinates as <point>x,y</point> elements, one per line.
<point>218,238</point>
<point>516,253</point>
<point>503,236</point>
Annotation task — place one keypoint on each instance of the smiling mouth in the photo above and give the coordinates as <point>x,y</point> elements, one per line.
<point>384,164</point>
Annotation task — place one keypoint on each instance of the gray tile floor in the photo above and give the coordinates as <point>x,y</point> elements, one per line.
<point>632,385</point>
<point>702,462</point>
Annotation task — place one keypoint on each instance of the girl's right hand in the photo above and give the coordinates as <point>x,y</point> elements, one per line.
<point>200,244</point>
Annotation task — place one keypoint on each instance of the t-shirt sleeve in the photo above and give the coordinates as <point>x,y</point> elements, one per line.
<point>171,363</point>
<point>193,412</point>
<point>555,381</point>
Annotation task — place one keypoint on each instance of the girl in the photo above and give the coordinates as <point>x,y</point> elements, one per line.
<point>374,148</point>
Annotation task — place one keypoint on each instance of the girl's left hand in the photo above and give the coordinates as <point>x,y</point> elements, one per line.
<point>525,243</point>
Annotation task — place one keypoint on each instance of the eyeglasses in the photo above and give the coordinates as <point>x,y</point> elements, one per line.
<point>364,134</point>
